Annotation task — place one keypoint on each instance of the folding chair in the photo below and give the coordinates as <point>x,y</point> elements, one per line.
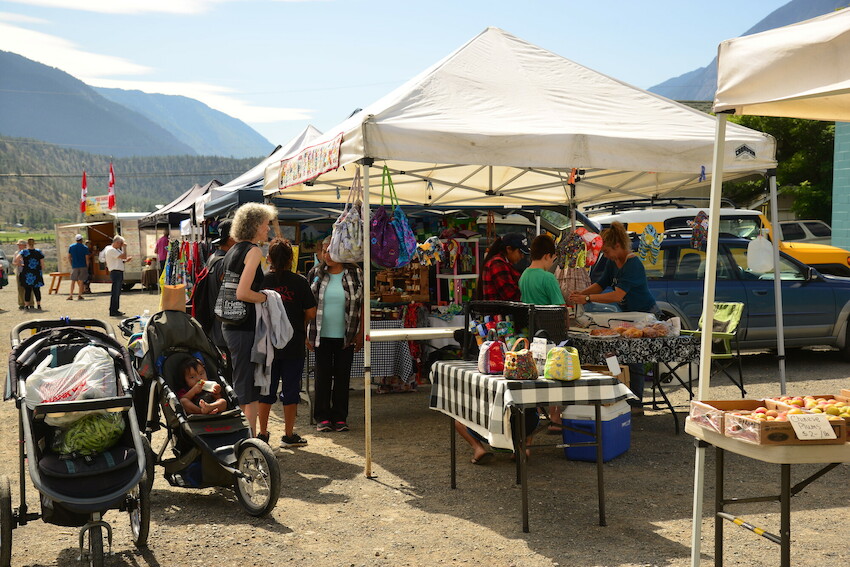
<point>725,351</point>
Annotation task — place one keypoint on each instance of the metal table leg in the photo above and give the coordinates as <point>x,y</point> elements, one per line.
<point>453,451</point>
<point>522,459</point>
<point>785,517</point>
<point>718,506</point>
<point>600,468</point>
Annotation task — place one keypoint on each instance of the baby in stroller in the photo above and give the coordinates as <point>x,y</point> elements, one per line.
<point>198,394</point>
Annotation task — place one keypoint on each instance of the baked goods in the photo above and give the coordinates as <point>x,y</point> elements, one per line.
<point>633,333</point>
<point>603,333</point>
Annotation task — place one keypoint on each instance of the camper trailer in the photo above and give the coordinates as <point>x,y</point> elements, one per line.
<point>100,229</point>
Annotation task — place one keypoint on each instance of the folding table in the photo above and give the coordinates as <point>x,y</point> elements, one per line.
<point>484,403</point>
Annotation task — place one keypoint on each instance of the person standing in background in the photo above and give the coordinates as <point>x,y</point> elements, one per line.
<point>250,227</point>
<point>216,275</point>
<point>32,270</point>
<point>161,249</point>
<point>499,276</point>
<point>288,365</point>
<point>18,263</point>
<point>116,257</point>
<point>90,260</point>
<point>335,334</point>
<point>78,255</point>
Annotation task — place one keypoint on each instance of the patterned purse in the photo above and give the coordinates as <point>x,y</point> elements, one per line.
<point>562,364</point>
<point>519,363</point>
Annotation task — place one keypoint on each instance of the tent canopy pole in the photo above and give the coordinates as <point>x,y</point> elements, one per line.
<point>367,316</point>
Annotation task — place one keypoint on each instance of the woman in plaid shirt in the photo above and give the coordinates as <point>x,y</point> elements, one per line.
<point>499,277</point>
<point>335,334</point>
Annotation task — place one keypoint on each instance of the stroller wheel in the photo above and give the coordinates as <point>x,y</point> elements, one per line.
<point>139,508</point>
<point>259,486</point>
<point>95,547</point>
<point>5,522</point>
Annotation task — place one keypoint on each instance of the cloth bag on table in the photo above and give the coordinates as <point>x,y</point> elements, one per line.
<point>519,362</point>
<point>562,363</point>
<point>347,237</point>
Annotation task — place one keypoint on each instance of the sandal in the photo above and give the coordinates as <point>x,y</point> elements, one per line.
<point>482,459</point>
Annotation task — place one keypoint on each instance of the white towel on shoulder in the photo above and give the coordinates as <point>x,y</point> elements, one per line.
<point>273,331</point>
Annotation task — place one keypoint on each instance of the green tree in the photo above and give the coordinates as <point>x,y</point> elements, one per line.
<point>804,153</point>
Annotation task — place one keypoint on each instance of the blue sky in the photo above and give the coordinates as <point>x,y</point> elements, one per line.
<point>279,65</point>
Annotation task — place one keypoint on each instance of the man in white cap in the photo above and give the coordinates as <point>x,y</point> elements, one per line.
<point>78,253</point>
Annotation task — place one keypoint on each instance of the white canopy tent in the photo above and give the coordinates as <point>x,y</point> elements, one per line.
<point>255,175</point>
<point>797,71</point>
<point>501,122</point>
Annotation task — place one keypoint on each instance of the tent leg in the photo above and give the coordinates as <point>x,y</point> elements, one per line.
<point>367,324</point>
<point>708,311</point>
<point>777,282</point>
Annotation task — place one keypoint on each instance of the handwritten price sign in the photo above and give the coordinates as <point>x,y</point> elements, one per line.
<point>811,426</point>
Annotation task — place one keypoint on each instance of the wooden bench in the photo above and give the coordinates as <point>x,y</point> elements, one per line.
<point>56,281</point>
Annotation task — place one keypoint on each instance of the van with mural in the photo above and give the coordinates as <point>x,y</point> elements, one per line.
<point>100,229</point>
<point>669,214</point>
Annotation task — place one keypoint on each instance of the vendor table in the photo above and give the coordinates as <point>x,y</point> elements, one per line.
<point>783,455</point>
<point>485,403</point>
<point>657,351</point>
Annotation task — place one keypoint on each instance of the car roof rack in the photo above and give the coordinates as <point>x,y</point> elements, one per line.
<point>653,203</point>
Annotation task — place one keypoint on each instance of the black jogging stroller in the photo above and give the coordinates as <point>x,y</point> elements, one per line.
<point>78,435</point>
<point>206,449</point>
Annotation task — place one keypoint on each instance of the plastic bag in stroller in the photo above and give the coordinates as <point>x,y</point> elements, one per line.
<point>79,439</point>
<point>214,449</point>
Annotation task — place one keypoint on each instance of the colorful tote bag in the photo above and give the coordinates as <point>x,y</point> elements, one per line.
<point>519,363</point>
<point>383,236</point>
<point>406,238</point>
<point>347,237</point>
<point>491,355</point>
<point>562,364</point>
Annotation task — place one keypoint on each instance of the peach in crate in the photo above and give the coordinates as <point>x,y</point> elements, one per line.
<point>709,414</point>
<point>821,403</point>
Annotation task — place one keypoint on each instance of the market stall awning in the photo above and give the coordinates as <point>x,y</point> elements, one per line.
<point>500,122</point>
<point>178,209</point>
<point>798,71</point>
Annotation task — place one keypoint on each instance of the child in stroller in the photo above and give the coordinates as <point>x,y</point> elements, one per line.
<point>208,449</point>
<point>198,394</point>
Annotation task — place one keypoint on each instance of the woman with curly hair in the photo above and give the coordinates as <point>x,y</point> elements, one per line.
<point>250,227</point>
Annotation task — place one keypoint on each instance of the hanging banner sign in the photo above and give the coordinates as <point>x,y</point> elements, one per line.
<point>99,205</point>
<point>310,163</point>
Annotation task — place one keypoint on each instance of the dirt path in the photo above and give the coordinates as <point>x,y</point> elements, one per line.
<point>329,514</point>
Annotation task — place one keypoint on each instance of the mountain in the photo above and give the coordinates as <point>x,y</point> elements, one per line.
<point>207,131</point>
<point>701,83</point>
<point>40,183</point>
<point>47,104</point>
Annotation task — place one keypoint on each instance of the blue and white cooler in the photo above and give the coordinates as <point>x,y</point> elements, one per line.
<point>616,431</point>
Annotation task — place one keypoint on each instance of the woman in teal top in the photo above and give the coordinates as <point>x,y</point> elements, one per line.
<point>625,274</point>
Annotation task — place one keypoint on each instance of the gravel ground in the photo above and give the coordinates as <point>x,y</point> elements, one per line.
<point>330,514</point>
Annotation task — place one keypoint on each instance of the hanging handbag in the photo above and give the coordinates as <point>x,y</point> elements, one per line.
<point>562,364</point>
<point>383,236</point>
<point>406,238</point>
<point>346,244</point>
<point>491,355</point>
<point>519,363</point>
<point>228,309</point>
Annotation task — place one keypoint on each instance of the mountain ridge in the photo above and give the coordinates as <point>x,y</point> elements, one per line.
<point>701,83</point>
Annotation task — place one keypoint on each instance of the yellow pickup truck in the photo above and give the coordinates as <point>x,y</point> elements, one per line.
<point>744,223</point>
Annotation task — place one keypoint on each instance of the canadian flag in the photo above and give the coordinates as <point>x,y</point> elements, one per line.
<point>83,193</point>
<point>111,203</point>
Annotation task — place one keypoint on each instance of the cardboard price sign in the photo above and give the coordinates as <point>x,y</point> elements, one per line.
<point>811,426</point>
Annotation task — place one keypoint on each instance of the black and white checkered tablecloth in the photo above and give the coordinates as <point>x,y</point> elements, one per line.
<point>388,358</point>
<point>482,402</point>
<point>594,350</point>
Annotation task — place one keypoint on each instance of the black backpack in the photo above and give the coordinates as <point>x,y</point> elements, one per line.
<point>204,294</point>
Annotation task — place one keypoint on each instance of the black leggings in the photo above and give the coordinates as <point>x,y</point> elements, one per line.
<point>29,291</point>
